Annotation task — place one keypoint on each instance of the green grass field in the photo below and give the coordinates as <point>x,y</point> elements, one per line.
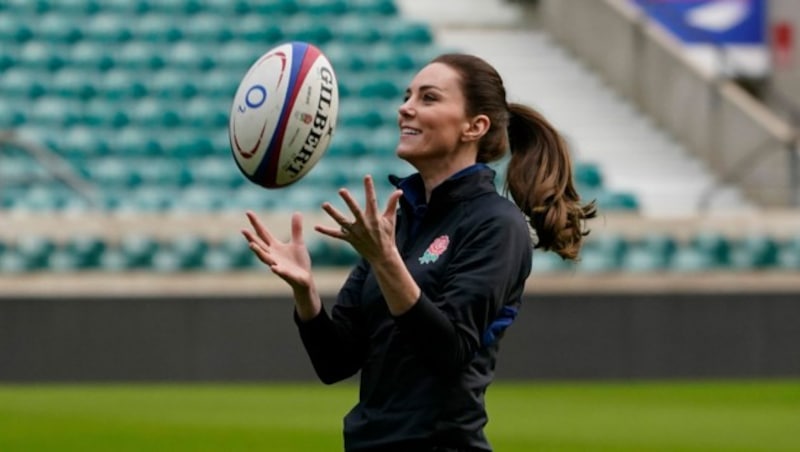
<point>642,416</point>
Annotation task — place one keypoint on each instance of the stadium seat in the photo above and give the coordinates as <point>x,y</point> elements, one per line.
<point>35,250</point>
<point>155,28</point>
<point>40,56</point>
<point>215,172</point>
<point>14,31</point>
<point>754,252</point>
<point>140,56</point>
<point>306,29</point>
<point>121,85</point>
<point>72,83</point>
<point>355,30</point>
<point>372,7</point>
<point>587,175</point>
<point>403,33</point>
<point>109,28</point>
<point>688,259</point>
<point>58,28</point>
<point>85,251</point>
<point>209,27</point>
<point>322,9</point>
<point>91,56</point>
<point>55,112</point>
<point>714,245</point>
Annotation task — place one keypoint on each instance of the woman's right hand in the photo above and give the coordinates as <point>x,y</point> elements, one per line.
<point>289,260</point>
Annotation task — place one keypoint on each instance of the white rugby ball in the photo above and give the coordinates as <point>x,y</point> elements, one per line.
<point>284,114</point>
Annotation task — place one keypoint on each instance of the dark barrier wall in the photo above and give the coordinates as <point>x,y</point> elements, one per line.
<point>555,336</point>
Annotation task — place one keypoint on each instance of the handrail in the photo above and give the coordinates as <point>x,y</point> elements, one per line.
<point>712,115</point>
<point>58,167</point>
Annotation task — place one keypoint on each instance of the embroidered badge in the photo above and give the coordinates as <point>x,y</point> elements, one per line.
<point>435,250</point>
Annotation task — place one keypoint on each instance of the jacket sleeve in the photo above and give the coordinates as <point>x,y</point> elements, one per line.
<point>336,343</point>
<point>488,271</point>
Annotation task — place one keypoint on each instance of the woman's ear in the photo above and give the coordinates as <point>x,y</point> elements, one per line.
<point>476,128</point>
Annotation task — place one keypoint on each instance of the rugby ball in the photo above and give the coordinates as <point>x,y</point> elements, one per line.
<point>284,114</point>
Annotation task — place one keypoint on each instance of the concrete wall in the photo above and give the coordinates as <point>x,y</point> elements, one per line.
<point>738,137</point>
<point>248,339</point>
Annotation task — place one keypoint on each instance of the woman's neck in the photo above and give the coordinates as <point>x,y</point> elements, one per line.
<point>433,176</point>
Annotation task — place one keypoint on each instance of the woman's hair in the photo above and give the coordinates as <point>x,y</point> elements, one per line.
<point>539,173</point>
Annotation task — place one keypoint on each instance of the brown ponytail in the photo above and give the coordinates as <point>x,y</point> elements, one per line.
<point>539,179</point>
<point>539,175</point>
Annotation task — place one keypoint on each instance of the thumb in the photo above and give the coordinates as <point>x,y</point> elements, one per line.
<point>391,204</point>
<point>297,228</point>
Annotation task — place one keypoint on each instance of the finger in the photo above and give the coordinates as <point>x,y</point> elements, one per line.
<point>262,254</point>
<point>334,213</point>
<point>297,228</point>
<point>253,239</point>
<point>391,204</point>
<point>260,229</point>
<point>371,196</point>
<point>352,204</point>
<point>331,232</point>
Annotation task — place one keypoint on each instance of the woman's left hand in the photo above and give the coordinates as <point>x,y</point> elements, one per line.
<point>371,232</point>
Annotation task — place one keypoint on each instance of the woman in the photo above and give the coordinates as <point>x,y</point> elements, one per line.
<point>443,265</point>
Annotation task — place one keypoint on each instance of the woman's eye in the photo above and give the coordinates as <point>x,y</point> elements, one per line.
<point>429,98</point>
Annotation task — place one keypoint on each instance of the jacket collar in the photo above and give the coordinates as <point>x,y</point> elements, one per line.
<point>470,182</point>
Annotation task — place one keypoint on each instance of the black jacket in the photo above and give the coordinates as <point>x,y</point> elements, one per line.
<point>424,373</point>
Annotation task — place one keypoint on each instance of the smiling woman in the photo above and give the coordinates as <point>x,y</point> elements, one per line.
<point>443,265</point>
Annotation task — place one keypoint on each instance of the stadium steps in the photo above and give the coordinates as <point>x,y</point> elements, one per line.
<point>634,155</point>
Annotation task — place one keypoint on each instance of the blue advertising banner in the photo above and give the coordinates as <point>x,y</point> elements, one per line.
<point>716,22</point>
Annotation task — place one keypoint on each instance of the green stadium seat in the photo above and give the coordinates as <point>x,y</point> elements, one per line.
<point>754,252</point>
<point>689,259</point>
<point>639,259</point>
<point>73,84</point>
<point>372,7</point>
<point>36,250</point>
<point>140,56</point>
<point>80,8</point>
<point>55,112</point>
<point>608,200</point>
<point>103,114</point>
<point>137,251</point>
<point>91,56</point>
<point>208,28</point>
<point>306,29</point>
<point>403,33</point>
<point>11,118</point>
<point>122,85</point>
<point>160,172</point>
<point>355,30</point>
<point>215,172</point>
<point>40,56</point>
<point>22,84</point>
<point>219,84</point>
<point>79,142</point>
<point>259,31</point>
<point>587,175</point>
<point>58,28</point>
<point>187,56</point>
<point>545,262</point>
<point>12,262</point>
<point>135,141</point>
<point>14,31</point>
<point>789,254</point>
<point>108,28</point>
<point>199,198</point>
<point>322,9</point>
<point>715,245</point>
<point>156,28</point>
<point>85,250</point>
<point>111,172</point>
<point>126,8</point>
<point>382,88</point>
<point>274,8</point>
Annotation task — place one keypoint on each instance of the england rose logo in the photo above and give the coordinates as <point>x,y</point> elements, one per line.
<point>435,250</point>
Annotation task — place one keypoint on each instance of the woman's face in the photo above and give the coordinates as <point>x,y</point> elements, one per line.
<point>432,119</point>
